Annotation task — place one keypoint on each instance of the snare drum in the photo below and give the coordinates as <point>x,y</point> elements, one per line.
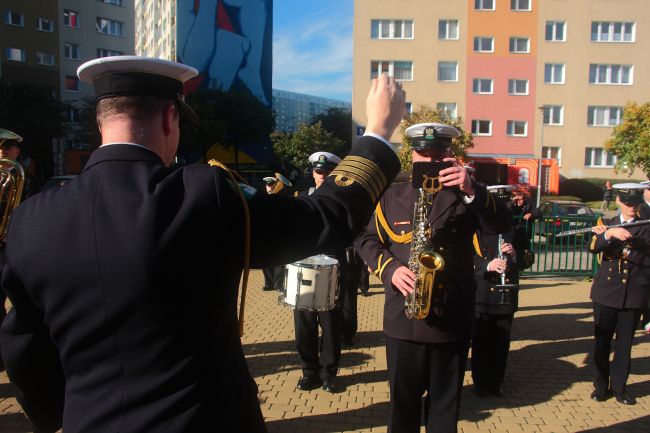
<point>311,284</point>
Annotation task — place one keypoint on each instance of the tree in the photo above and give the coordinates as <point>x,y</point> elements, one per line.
<point>338,121</point>
<point>426,114</point>
<point>85,129</point>
<point>630,141</point>
<point>296,147</point>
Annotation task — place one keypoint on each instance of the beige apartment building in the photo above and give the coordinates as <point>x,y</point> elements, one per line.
<point>155,31</point>
<point>530,78</point>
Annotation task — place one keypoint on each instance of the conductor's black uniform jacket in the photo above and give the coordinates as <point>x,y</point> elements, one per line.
<point>124,287</point>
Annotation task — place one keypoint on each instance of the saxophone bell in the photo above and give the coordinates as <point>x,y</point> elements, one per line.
<point>418,304</point>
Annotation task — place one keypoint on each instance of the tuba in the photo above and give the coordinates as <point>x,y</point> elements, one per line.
<point>12,180</point>
<point>424,262</point>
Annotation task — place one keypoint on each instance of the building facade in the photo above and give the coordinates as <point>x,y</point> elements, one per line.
<point>531,78</point>
<point>291,109</point>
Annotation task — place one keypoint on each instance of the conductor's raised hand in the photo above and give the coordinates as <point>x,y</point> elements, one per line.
<point>384,106</point>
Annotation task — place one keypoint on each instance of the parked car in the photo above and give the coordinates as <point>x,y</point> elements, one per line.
<point>563,215</point>
<point>57,181</point>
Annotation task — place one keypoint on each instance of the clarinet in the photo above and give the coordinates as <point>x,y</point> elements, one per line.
<point>502,256</point>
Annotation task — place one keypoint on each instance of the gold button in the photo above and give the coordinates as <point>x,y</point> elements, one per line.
<point>609,278</point>
<point>402,232</point>
<point>625,271</point>
<point>624,280</point>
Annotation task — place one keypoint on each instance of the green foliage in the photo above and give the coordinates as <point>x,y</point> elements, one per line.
<point>425,114</point>
<point>630,141</point>
<point>297,146</point>
<point>339,122</point>
<point>85,130</point>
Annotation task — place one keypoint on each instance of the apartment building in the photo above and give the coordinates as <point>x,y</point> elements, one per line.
<point>155,28</point>
<point>531,78</point>
<point>291,108</point>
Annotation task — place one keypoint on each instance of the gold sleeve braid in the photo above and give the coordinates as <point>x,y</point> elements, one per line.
<point>363,171</point>
<point>477,247</point>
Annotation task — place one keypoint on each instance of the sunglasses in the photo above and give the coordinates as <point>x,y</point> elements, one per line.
<point>318,171</point>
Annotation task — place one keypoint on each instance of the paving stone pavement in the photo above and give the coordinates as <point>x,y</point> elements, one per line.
<point>548,380</point>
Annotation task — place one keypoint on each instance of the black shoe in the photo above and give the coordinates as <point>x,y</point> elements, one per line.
<point>600,395</point>
<point>267,289</point>
<point>307,383</point>
<point>497,390</point>
<point>329,385</point>
<point>625,398</point>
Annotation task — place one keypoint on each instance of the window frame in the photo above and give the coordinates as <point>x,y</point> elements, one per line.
<point>41,20</point>
<point>480,82</point>
<point>447,22</point>
<point>481,39</point>
<point>447,62</point>
<point>71,78</point>
<point>554,25</point>
<point>609,70</point>
<point>605,158</point>
<point>512,44</point>
<point>118,3</point>
<point>391,29</point>
<point>105,52</point>
<point>554,66</point>
<point>611,28</point>
<point>550,115</point>
<point>607,115</point>
<point>9,19</point>
<point>511,126</point>
<point>547,153</point>
<point>68,14</point>
<point>479,5</point>
<point>513,81</point>
<point>390,68</point>
<point>22,51</point>
<point>41,55</point>
<point>118,24</point>
<point>73,48</point>
<point>514,6</point>
<point>477,123</point>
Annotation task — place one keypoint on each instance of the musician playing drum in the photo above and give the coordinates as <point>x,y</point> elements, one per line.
<point>619,291</point>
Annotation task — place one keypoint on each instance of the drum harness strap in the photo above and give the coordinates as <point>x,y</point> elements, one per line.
<point>247,239</point>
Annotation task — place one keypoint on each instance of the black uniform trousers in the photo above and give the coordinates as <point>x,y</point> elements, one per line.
<point>364,280</point>
<point>274,278</point>
<point>306,327</point>
<point>608,320</point>
<point>490,346</point>
<point>348,297</point>
<point>414,368</point>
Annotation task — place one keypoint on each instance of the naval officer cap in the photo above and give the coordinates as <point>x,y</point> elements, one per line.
<point>630,193</point>
<point>324,161</point>
<point>138,76</point>
<point>9,138</point>
<point>501,190</point>
<point>431,135</point>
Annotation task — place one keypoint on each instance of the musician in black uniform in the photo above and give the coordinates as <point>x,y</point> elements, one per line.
<point>124,281</point>
<point>644,213</point>
<point>496,304</point>
<point>430,354</point>
<point>274,275</point>
<point>619,292</point>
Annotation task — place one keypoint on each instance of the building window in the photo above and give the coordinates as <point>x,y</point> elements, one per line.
<point>517,87</point>
<point>71,51</point>
<point>484,5</point>
<point>408,109</point>
<point>602,31</point>
<point>110,27</point>
<point>71,83</point>
<point>519,45</point>
<point>14,19</point>
<point>483,44</point>
<point>46,59</point>
<point>554,73</point>
<point>550,152</point>
<point>553,115</point>
<point>482,85</point>
<point>517,128</point>
<point>402,71</point>
<point>610,74</point>
<point>481,127</point>
<point>44,25</point>
<point>520,5</point>
<point>112,2</point>
<point>448,29</point>
<point>555,31</point>
<point>71,114</point>
<point>391,29</point>
<point>15,54</point>
<point>447,71</point>
<point>599,157</point>
<point>447,107</point>
<point>103,52</point>
<point>70,18</point>
<point>604,116</point>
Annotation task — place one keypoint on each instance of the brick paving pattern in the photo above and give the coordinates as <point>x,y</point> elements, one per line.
<point>547,387</point>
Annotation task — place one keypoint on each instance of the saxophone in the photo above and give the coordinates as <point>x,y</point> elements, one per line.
<point>424,262</point>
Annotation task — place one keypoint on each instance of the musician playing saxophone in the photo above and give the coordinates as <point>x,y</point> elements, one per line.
<point>429,354</point>
<point>619,291</point>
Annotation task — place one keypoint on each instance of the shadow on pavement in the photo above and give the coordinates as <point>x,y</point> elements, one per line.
<point>15,423</point>
<point>639,424</point>
<point>576,305</point>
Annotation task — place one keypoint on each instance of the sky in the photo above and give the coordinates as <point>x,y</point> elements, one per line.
<point>312,47</point>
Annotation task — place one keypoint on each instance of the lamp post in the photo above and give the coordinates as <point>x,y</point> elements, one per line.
<point>539,161</point>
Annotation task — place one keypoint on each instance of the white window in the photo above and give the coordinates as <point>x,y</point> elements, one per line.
<point>408,110</point>
<point>484,5</point>
<point>482,85</point>
<point>517,128</point>
<point>602,31</point>
<point>483,44</point>
<point>44,25</point>
<point>553,114</point>
<point>517,87</point>
<point>520,5</point>
<point>554,73</point>
<point>402,71</point>
<point>391,29</point>
<point>448,29</point>
<point>447,71</point>
<point>15,54</point>
<point>103,52</point>
<point>70,18</point>
<point>519,45</point>
<point>551,152</point>
<point>481,127</point>
<point>610,74</point>
<point>604,116</point>
<point>447,107</point>
<point>555,31</point>
<point>112,2</point>
<point>599,157</point>
<point>109,27</point>
<point>45,59</point>
<point>14,19</point>
<point>71,51</point>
